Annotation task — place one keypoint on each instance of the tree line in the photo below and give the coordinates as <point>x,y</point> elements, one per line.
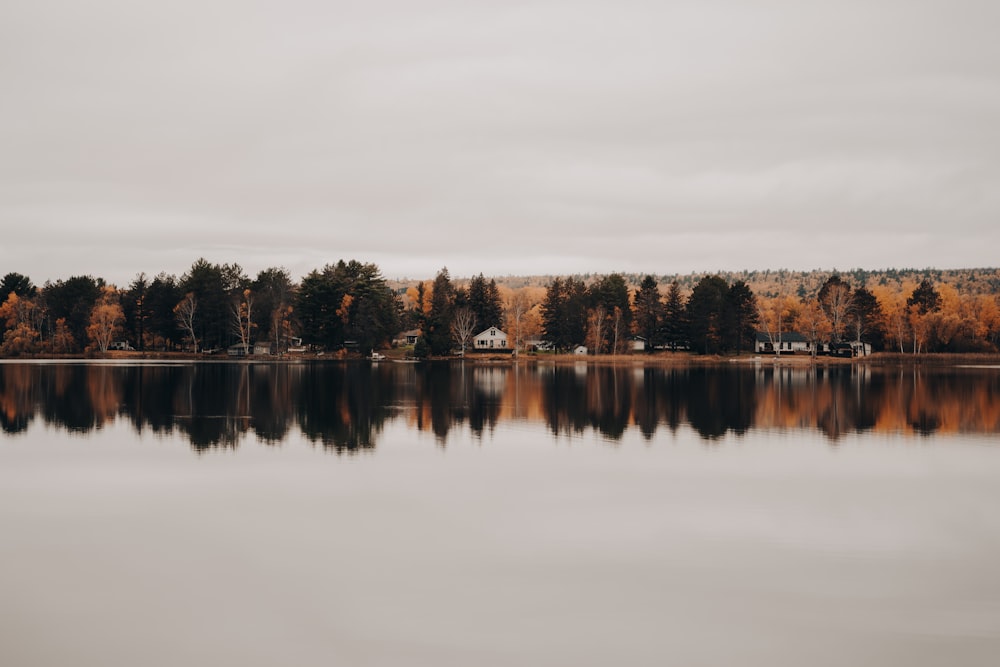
<point>349,305</point>
<point>208,308</point>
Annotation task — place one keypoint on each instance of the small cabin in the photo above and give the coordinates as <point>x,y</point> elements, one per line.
<point>850,349</point>
<point>491,339</point>
<point>407,337</point>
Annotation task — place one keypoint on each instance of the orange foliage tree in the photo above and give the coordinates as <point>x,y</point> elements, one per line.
<point>106,318</point>
<point>22,335</point>
<point>813,323</point>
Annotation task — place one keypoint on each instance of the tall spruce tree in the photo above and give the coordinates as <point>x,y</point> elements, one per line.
<point>483,299</point>
<point>924,298</point>
<point>740,316</point>
<point>564,313</point>
<point>865,319</point>
<point>705,312</point>
<point>437,329</point>
<point>675,328</point>
<point>649,313</point>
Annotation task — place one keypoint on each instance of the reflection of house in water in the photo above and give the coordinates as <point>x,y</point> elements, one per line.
<point>490,381</point>
<point>834,399</point>
<point>785,376</point>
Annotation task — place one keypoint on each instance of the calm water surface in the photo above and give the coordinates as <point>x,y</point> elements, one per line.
<point>328,514</point>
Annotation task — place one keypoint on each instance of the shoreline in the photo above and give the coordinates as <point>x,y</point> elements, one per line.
<point>664,359</point>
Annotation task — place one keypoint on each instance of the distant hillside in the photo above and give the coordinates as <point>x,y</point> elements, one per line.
<point>774,282</point>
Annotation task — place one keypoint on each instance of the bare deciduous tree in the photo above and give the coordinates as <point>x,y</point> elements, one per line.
<point>463,327</point>
<point>184,313</point>
<point>242,309</point>
<point>516,307</point>
<point>616,329</point>
<point>835,300</point>
<point>596,322</point>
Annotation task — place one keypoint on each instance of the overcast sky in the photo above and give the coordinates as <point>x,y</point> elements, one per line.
<point>507,137</point>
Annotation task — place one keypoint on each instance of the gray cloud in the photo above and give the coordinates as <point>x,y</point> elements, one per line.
<point>518,137</point>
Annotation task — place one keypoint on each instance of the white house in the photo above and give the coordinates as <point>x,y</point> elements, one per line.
<point>580,349</point>
<point>790,343</point>
<point>491,339</point>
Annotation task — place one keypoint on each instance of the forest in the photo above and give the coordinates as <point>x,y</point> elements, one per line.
<point>350,308</point>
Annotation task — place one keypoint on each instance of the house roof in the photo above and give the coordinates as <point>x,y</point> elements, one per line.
<point>786,337</point>
<point>486,331</point>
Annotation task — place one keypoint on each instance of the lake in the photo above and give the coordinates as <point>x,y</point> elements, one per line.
<point>460,514</point>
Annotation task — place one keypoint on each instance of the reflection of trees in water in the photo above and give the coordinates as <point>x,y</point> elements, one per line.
<point>345,406</point>
<point>609,400</point>
<point>75,398</point>
<point>659,397</point>
<point>150,396</point>
<point>720,400</point>
<point>582,396</point>
<point>447,394</point>
<point>216,410</point>
<point>835,414</point>
<point>835,400</point>
<point>20,393</point>
<point>564,398</point>
<point>273,395</point>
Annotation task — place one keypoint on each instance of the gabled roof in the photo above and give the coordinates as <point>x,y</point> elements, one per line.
<point>486,331</point>
<point>786,337</point>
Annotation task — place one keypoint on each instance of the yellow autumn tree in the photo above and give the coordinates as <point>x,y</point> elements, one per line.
<point>983,312</point>
<point>62,337</point>
<point>775,316</point>
<point>106,318</point>
<point>813,323</point>
<point>892,298</point>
